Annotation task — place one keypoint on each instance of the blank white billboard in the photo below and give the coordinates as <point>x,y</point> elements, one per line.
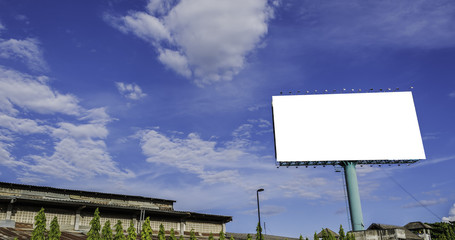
<point>343,127</point>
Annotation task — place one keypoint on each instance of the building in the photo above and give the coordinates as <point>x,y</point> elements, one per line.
<point>421,229</point>
<point>74,210</point>
<point>385,232</point>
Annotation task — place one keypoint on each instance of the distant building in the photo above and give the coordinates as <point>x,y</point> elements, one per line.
<point>386,232</point>
<point>421,229</point>
<point>74,210</point>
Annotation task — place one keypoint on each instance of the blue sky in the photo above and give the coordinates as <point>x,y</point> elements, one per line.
<point>172,99</point>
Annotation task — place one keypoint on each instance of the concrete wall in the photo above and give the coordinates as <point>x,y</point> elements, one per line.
<point>389,234</point>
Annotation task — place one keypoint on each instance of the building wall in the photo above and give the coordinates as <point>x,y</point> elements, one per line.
<point>389,234</point>
<point>203,227</point>
<point>74,211</point>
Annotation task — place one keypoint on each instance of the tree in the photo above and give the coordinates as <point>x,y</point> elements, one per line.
<point>119,231</point>
<point>442,231</point>
<point>54,232</point>
<point>40,226</point>
<point>95,226</point>
<point>131,232</point>
<point>307,238</point>
<point>259,232</point>
<point>162,233</point>
<point>324,234</point>
<point>300,238</point>
<point>231,238</point>
<point>106,232</point>
<point>341,232</point>
<point>146,232</point>
<point>172,235</point>
<point>211,236</point>
<point>181,237</point>
<point>315,236</point>
<point>222,237</point>
<point>248,237</point>
<point>350,236</point>
<point>192,235</point>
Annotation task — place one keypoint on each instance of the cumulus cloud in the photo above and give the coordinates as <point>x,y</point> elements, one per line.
<point>33,94</point>
<point>74,158</point>
<point>130,90</point>
<point>25,126</point>
<point>27,51</point>
<point>200,39</point>
<point>451,216</point>
<point>239,167</point>
<point>75,146</point>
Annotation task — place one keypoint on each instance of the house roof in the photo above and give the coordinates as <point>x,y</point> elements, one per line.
<point>80,192</point>
<point>417,225</point>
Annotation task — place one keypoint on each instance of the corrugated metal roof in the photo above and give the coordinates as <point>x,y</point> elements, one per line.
<point>68,191</point>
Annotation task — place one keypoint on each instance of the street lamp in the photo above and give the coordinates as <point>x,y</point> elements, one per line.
<point>259,213</point>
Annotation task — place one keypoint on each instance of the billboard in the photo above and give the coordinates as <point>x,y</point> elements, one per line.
<point>345,127</point>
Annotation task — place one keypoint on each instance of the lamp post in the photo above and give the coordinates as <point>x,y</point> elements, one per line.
<point>259,213</point>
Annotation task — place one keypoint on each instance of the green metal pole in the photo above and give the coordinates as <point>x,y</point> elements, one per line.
<point>352,187</point>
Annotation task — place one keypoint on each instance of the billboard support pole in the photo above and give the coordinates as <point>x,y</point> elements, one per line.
<point>352,188</point>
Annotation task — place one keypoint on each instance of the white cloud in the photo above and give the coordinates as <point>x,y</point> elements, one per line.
<point>24,126</point>
<point>452,94</point>
<point>2,27</point>
<point>239,168</point>
<point>79,148</point>
<point>175,61</point>
<point>97,116</point>
<point>82,131</point>
<point>190,154</point>
<point>203,39</point>
<point>32,93</point>
<point>131,91</point>
<point>26,50</point>
<point>146,27</point>
<point>75,158</point>
<point>451,216</point>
